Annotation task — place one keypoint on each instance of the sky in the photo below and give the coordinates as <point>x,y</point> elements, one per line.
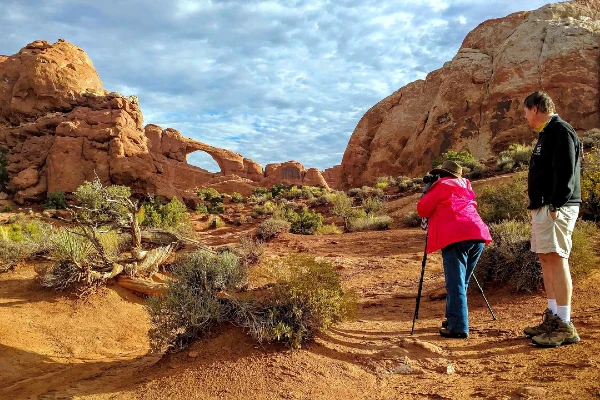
<point>272,80</point>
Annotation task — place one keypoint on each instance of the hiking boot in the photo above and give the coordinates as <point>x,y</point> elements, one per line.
<point>548,319</point>
<point>447,333</point>
<point>562,333</point>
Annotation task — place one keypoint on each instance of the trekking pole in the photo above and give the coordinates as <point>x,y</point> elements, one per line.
<point>416,315</point>
<point>486,302</point>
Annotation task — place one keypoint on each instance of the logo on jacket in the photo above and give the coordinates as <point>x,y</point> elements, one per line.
<point>538,150</point>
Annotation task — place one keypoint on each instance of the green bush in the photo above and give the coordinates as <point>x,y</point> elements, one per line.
<point>55,200</point>
<point>341,204</point>
<point>6,209</point>
<point>504,201</point>
<point>307,299</point>
<point>369,223</point>
<point>191,305</point>
<point>305,222</point>
<point>331,229</point>
<point>201,209</point>
<point>271,228</point>
<point>462,158</point>
<point>267,208</point>
<point>260,191</point>
<point>517,155</point>
<point>22,239</point>
<point>237,197</point>
<point>170,216</point>
<point>373,205</point>
<point>584,253</point>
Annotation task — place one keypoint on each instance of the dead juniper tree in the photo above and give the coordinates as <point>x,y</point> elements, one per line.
<point>101,210</point>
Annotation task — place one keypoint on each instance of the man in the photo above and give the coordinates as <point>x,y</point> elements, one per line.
<point>554,192</point>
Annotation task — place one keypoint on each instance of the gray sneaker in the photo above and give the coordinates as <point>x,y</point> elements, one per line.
<point>548,319</point>
<point>563,333</point>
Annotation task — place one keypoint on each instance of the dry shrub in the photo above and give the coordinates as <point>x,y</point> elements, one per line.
<point>517,155</point>
<point>504,201</point>
<point>508,259</point>
<point>411,220</point>
<point>249,250</point>
<point>373,205</point>
<point>369,223</point>
<point>584,256</point>
<point>21,240</point>
<point>331,229</point>
<point>308,298</point>
<point>191,305</point>
<point>271,228</point>
<point>215,222</point>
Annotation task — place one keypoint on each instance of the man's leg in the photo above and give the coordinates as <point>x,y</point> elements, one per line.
<point>557,280</point>
<point>548,276</point>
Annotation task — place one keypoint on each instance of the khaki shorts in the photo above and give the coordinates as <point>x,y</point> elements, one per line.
<point>553,236</point>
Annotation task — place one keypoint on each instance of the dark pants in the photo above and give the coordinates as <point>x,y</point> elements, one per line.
<point>459,262</point>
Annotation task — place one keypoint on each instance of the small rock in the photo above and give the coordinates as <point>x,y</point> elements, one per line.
<point>48,213</point>
<point>3,196</point>
<point>402,369</point>
<point>532,391</point>
<point>193,354</point>
<point>450,369</point>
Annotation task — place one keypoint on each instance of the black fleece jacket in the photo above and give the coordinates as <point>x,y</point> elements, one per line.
<point>555,166</point>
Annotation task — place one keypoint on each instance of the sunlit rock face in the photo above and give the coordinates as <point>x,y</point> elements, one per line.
<point>474,102</point>
<point>61,128</point>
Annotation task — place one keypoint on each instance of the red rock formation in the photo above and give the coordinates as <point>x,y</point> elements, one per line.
<point>333,176</point>
<point>292,173</point>
<point>62,128</point>
<point>474,102</point>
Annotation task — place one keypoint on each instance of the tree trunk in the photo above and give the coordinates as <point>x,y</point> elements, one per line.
<point>141,286</point>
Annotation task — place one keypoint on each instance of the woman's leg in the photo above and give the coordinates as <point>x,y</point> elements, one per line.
<point>455,258</point>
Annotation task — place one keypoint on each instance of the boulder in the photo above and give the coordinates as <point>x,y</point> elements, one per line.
<point>475,101</point>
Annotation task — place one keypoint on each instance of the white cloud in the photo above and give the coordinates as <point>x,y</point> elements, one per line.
<point>273,80</point>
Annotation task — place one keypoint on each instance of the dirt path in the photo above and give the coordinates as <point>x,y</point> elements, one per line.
<point>57,348</point>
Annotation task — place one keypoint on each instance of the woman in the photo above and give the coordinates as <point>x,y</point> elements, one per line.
<point>457,229</point>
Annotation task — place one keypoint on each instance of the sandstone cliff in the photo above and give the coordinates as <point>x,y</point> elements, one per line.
<point>474,101</point>
<point>62,128</point>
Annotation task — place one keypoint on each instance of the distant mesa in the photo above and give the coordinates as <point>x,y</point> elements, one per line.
<point>62,128</point>
<point>474,102</point>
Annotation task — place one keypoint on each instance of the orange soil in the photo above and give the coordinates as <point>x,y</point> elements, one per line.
<point>55,347</point>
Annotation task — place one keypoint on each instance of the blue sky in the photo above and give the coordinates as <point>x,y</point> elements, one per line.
<point>271,80</point>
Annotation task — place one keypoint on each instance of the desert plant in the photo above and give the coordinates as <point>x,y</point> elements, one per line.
<point>271,228</point>
<point>341,204</point>
<point>191,305</point>
<point>369,223</point>
<point>330,229</point>
<point>267,208</point>
<point>591,139</point>
<point>584,253</point>
<point>590,187</point>
<point>201,209</point>
<point>305,222</point>
<point>411,220</point>
<point>517,155</point>
<point>307,299</point>
<point>504,201</point>
<point>249,250</point>
<point>373,205</point>
<point>171,216</point>
<point>508,259</point>
<point>215,222</point>
<point>55,200</point>
<point>462,158</point>
<point>237,197</point>
<point>21,240</point>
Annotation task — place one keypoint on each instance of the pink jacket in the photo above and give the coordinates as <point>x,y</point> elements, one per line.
<point>452,211</point>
